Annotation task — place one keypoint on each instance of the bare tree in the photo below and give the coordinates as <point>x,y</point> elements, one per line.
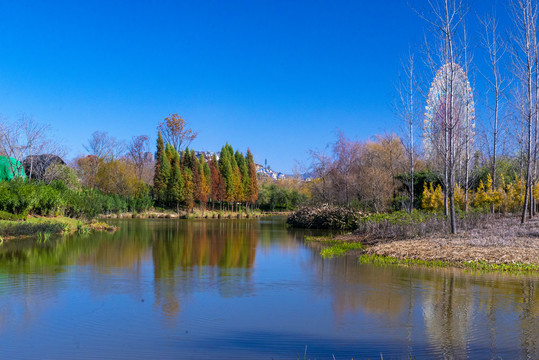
<point>468,126</point>
<point>524,16</point>
<point>407,111</point>
<point>344,167</point>
<point>22,140</point>
<point>137,152</point>
<point>175,131</point>
<point>320,168</point>
<point>104,146</point>
<point>446,17</point>
<point>495,48</point>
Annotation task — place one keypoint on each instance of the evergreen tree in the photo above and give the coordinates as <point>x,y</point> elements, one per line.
<point>207,176</point>
<point>177,182</point>
<point>204,174</point>
<point>197,182</point>
<point>236,180</point>
<point>217,188</point>
<point>162,172</point>
<point>253,181</point>
<point>225,169</point>
<point>244,172</point>
<point>188,188</point>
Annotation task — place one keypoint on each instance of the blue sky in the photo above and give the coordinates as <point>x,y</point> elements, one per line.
<point>279,77</point>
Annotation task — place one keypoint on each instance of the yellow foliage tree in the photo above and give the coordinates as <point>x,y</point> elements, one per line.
<point>460,199</point>
<point>433,199</point>
<point>481,198</point>
<point>520,187</point>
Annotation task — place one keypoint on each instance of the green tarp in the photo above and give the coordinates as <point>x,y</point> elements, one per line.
<point>6,166</point>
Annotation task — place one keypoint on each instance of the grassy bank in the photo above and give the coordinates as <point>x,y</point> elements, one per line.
<point>37,226</point>
<point>500,244</point>
<point>474,265</point>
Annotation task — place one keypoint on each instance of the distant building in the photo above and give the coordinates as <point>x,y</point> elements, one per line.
<point>268,172</point>
<point>208,155</point>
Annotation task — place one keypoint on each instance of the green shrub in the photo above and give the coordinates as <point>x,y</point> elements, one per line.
<point>12,217</point>
<point>23,197</point>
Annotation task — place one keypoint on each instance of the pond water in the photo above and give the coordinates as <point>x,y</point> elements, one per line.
<point>247,289</point>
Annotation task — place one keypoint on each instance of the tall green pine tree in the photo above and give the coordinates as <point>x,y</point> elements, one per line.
<point>162,172</point>
<point>177,182</point>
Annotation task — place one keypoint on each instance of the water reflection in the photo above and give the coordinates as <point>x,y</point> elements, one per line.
<point>252,284</point>
<point>229,248</point>
<point>459,314</point>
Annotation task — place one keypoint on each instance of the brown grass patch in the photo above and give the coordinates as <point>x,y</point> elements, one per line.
<point>499,241</point>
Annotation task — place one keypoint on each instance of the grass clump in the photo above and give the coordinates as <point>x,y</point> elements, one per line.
<point>340,249</point>
<point>333,247</point>
<point>43,237</point>
<point>43,227</point>
<point>31,228</point>
<point>516,267</point>
<point>101,226</point>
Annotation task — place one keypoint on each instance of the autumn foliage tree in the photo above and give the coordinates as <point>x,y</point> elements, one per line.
<point>175,131</point>
<point>182,179</point>
<point>359,173</point>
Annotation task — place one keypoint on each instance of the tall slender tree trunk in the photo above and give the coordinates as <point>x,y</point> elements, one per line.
<point>527,197</point>
<point>452,123</point>
<point>411,122</point>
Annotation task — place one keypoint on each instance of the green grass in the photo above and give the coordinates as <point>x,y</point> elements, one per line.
<point>34,226</point>
<point>340,249</point>
<point>516,268</point>
<point>334,247</point>
<point>43,237</point>
<point>43,227</point>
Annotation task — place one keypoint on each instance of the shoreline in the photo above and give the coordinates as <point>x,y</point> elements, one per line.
<point>196,214</point>
<point>500,245</point>
<point>42,227</point>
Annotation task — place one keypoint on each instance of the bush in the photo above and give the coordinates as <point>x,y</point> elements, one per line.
<point>12,217</point>
<point>326,217</point>
<point>272,196</point>
<point>23,197</point>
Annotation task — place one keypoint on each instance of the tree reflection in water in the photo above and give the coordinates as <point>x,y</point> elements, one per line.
<point>152,273</point>
<point>459,313</point>
<point>226,250</point>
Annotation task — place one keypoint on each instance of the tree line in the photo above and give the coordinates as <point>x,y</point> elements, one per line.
<point>118,177</point>
<point>374,176</point>
<point>183,180</point>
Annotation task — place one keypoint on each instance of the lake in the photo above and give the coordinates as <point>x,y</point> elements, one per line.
<point>247,289</point>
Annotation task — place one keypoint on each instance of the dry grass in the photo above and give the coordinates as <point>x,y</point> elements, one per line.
<point>499,241</point>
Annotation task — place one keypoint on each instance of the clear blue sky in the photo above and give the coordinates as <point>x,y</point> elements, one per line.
<point>280,77</point>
